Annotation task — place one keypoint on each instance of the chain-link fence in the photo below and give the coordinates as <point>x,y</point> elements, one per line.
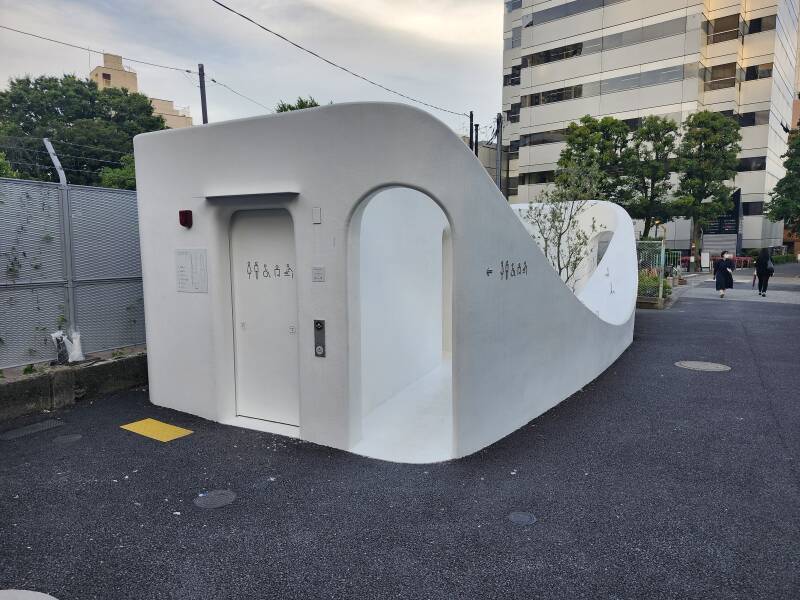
<point>69,258</point>
<point>651,256</point>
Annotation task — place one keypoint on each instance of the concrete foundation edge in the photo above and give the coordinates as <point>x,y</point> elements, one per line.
<point>63,386</point>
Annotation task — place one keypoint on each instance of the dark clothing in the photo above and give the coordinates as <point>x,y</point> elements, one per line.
<point>762,264</point>
<point>723,277</point>
<point>763,281</point>
<point>763,272</point>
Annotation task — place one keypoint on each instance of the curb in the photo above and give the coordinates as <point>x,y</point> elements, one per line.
<point>63,386</point>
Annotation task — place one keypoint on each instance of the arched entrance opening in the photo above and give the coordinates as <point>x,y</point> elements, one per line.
<point>400,278</point>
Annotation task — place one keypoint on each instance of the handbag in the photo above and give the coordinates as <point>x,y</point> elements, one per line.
<point>770,267</point>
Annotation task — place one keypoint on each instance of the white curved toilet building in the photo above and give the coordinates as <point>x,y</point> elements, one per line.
<point>354,278</point>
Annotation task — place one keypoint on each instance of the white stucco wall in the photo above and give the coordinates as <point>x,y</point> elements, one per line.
<point>520,344</point>
<point>400,292</point>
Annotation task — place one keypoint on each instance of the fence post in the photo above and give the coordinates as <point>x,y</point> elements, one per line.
<point>661,263</point>
<point>66,232</point>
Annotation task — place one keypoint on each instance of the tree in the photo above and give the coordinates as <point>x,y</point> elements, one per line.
<point>784,201</point>
<point>556,217</point>
<point>647,166</point>
<point>5,167</point>
<point>123,177</point>
<point>90,128</point>
<point>299,105</point>
<point>707,162</point>
<point>603,143</point>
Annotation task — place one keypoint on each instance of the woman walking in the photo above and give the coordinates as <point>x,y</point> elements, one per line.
<point>764,270</point>
<point>723,273</point>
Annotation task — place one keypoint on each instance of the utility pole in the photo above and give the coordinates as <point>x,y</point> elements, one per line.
<point>471,141</point>
<point>202,73</point>
<point>499,152</point>
<point>476,138</point>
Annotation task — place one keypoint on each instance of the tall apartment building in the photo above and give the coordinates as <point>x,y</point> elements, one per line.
<point>632,58</point>
<point>114,74</point>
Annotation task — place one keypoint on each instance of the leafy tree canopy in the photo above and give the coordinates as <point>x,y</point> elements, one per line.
<point>299,105</point>
<point>785,200</point>
<point>6,170</point>
<point>90,128</point>
<point>707,161</point>
<point>601,142</point>
<point>123,177</point>
<point>647,166</point>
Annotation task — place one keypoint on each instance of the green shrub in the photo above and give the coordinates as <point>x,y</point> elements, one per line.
<point>648,285</point>
<point>29,370</point>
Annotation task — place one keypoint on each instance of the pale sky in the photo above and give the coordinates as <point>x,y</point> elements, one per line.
<point>446,52</point>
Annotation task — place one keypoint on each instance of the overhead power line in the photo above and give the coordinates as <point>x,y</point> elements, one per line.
<point>60,155</point>
<point>181,70</point>
<point>89,147</point>
<point>30,138</point>
<point>230,89</point>
<point>335,64</point>
<point>87,49</point>
<point>19,162</point>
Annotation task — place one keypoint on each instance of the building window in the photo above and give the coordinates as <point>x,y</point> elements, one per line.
<point>752,209</point>
<point>719,77</point>
<point>748,119</point>
<point>512,5</point>
<point>512,78</point>
<point>513,113</point>
<point>515,41</point>
<point>752,163</point>
<point>106,78</point>
<point>536,178</point>
<point>758,72</point>
<point>615,84</point>
<point>761,24</point>
<point>609,42</point>
<point>569,9</point>
<point>543,137</point>
<point>512,150</point>
<point>723,29</point>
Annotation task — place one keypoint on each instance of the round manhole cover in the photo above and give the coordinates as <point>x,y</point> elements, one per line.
<point>67,439</point>
<point>522,518</point>
<point>215,498</point>
<point>23,595</point>
<point>699,365</point>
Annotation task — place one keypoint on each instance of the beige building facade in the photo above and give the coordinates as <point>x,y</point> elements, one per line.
<point>632,58</point>
<point>113,74</point>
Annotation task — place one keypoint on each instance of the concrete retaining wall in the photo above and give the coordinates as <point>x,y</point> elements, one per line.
<point>62,386</point>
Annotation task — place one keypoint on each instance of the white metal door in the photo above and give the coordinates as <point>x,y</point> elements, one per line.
<point>265,316</point>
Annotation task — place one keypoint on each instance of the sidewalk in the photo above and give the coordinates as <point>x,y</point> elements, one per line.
<point>653,482</point>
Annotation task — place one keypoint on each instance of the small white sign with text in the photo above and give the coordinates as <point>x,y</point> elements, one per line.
<point>191,269</point>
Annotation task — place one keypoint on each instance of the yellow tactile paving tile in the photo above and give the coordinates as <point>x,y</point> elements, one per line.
<point>157,430</point>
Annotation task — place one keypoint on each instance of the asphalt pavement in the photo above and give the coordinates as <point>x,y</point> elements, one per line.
<point>653,482</point>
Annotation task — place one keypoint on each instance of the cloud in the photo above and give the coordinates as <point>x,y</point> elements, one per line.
<point>447,52</point>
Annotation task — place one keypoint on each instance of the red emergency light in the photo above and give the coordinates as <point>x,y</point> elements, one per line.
<point>185,218</point>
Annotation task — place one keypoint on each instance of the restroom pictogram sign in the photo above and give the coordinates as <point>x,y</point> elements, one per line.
<point>258,270</point>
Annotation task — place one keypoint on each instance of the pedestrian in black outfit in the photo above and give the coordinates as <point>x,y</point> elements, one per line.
<point>723,273</point>
<point>764,270</point>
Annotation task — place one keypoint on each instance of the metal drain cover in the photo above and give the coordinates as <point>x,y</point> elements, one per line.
<point>13,434</point>
<point>214,498</point>
<point>522,518</point>
<point>699,365</point>
<point>63,440</point>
